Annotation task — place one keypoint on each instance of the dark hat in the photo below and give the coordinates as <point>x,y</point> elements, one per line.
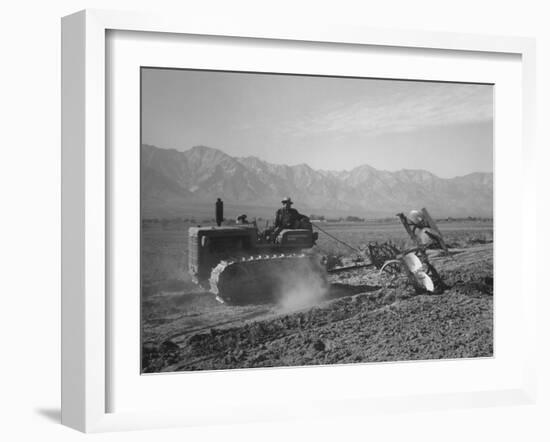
<point>287,200</point>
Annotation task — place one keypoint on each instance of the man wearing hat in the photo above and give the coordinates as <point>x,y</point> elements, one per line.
<point>286,216</point>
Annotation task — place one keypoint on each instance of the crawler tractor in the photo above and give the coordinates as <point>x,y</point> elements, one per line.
<point>241,264</point>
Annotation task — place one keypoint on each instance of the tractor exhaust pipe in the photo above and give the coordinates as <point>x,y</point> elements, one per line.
<point>219,212</point>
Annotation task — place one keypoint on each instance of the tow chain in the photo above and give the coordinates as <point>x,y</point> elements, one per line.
<point>338,240</point>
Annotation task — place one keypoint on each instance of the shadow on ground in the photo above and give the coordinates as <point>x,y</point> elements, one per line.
<point>51,414</point>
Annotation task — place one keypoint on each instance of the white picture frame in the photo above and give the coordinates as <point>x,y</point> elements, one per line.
<point>86,316</point>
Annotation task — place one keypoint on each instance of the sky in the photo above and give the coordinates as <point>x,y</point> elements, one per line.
<point>329,123</point>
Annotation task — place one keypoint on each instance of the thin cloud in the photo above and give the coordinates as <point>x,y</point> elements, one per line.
<point>435,105</point>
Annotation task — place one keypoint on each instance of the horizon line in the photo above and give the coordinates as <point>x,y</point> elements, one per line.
<point>316,170</point>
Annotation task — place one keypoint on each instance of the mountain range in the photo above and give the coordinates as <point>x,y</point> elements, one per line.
<point>172,181</point>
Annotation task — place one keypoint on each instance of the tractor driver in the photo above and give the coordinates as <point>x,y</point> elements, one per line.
<point>286,217</point>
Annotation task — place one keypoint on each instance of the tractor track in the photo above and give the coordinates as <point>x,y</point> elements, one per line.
<point>258,278</point>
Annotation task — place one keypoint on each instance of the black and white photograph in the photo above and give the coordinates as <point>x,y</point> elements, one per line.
<point>298,220</point>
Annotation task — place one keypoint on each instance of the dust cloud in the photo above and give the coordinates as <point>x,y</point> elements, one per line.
<point>301,287</point>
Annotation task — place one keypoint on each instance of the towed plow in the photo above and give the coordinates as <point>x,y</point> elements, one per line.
<point>413,264</point>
